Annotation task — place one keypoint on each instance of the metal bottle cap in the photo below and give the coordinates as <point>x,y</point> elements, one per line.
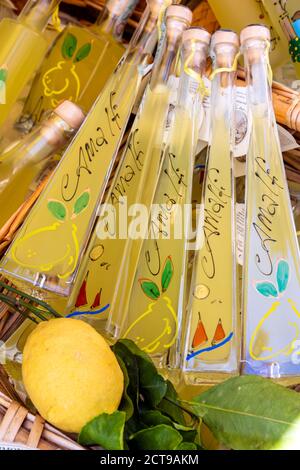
<point>255,31</point>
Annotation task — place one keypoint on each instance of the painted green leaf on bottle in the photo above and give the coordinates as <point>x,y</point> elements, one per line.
<point>161,437</point>
<point>82,202</point>
<point>57,209</point>
<point>106,430</point>
<point>167,274</point>
<point>83,52</point>
<point>267,289</point>
<point>150,288</point>
<point>283,272</point>
<point>69,46</point>
<point>251,413</point>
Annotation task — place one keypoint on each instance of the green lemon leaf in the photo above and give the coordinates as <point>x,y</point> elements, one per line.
<point>57,209</point>
<point>83,52</point>
<point>168,407</point>
<point>154,418</point>
<point>266,289</point>
<point>126,404</point>
<point>152,385</point>
<point>82,202</point>
<point>283,272</point>
<point>107,430</point>
<point>69,46</point>
<point>167,274</point>
<point>251,413</point>
<point>161,437</point>
<point>187,446</point>
<point>150,289</point>
<point>131,364</point>
<point>3,75</point>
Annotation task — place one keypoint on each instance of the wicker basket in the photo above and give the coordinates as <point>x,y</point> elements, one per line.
<point>20,427</point>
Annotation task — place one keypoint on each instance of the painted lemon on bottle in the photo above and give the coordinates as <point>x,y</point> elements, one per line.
<point>62,80</point>
<point>156,329</point>
<point>281,316</point>
<point>61,238</point>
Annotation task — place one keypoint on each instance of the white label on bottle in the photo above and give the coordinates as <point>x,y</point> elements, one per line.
<point>242,123</point>
<point>240,210</point>
<point>287,140</point>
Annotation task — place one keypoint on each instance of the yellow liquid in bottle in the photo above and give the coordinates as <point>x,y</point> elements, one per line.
<point>76,69</point>
<point>16,191</point>
<point>155,309</point>
<point>21,52</point>
<point>136,180</point>
<point>210,350</point>
<point>271,276</point>
<point>46,250</point>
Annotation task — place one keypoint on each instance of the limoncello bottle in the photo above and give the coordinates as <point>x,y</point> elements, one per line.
<point>210,352</point>
<point>134,183</point>
<point>271,307</point>
<point>21,163</point>
<point>155,311</point>
<point>22,50</point>
<point>78,64</point>
<point>80,178</point>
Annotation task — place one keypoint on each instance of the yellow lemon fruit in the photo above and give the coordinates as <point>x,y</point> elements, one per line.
<point>70,373</point>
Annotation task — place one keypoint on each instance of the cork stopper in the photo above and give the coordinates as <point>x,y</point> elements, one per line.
<point>62,123</point>
<point>70,113</point>
<point>225,36</point>
<point>179,12</point>
<point>196,34</point>
<point>255,31</point>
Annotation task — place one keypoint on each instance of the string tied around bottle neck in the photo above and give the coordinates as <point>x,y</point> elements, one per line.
<point>233,68</point>
<point>202,89</point>
<point>56,22</point>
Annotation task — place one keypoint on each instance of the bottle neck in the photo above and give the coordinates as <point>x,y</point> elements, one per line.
<point>45,140</point>
<point>222,94</point>
<point>144,40</point>
<point>36,13</point>
<point>256,54</point>
<point>193,60</point>
<point>114,16</point>
<point>166,59</point>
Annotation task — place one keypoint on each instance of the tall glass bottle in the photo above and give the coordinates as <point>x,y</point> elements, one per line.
<point>134,183</point>
<point>271,306</point>
<point>21,163</point>
<point>154,315</point>
<point>211,342</point>
<point>80,178</point>
<point>22,49</point>
<point>78,64</point>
